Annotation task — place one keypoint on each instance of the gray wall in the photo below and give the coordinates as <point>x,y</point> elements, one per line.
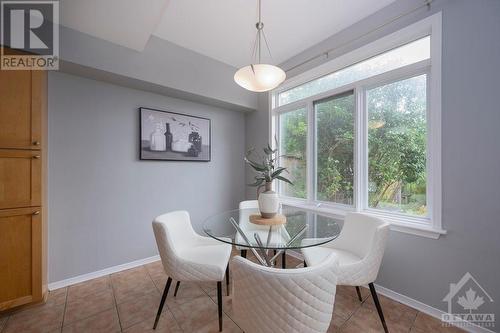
<point>102,199</point>
<point>257,136</point>
<point>423,268</point>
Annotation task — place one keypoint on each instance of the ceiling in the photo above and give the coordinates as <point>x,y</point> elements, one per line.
<point>225,29</point>
<point>221,29</point>
<point>128,23</point>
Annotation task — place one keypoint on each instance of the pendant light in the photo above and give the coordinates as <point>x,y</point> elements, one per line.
<point>259,77</point>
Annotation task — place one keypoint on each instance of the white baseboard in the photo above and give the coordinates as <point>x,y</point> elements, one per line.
<point>102,272</point>
<point>427,309</point>
<point>122,267</point>
<point>417,305</point>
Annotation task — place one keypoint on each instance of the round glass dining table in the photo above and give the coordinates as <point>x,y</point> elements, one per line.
<point>302,229</point>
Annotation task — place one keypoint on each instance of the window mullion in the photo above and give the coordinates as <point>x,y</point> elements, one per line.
<point>277,120</point>
<point>360,186</point>
<point>364,154</point>
<point>311,153</point>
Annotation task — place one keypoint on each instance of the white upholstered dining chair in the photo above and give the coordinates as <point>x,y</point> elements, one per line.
<point>270,300</point>
<point>247,208</point>
<point>359,249</point>
<point>187,256</point>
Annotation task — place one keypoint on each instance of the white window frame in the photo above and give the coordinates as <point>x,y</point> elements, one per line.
<point>424,226</point>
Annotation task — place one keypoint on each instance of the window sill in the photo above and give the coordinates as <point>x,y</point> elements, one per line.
<point>403,224</point>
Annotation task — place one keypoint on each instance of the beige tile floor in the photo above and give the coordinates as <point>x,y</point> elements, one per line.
<point>127,302</point>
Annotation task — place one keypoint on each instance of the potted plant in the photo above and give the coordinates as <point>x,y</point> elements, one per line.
<point>266,172</point>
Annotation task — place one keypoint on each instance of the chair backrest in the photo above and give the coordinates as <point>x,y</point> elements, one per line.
<point>247,208</point>
<point>276,300</point>
<point>173,232</point>
<point>361,234</point>
<point>249,204</point>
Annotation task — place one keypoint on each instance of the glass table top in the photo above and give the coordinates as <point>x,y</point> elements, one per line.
<point>302,229</point>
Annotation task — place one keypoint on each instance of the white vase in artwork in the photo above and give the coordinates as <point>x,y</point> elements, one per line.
<point>158,140</point>
<point>268,202</point>
<point>181,145</point>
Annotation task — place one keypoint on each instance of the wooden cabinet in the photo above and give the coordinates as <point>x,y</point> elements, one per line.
<point>20,109</point>
<point>20,178</point>
<point>23,106</point>
<point>20,256</point>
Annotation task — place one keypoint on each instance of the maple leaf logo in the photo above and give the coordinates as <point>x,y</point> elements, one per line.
<point>471,301</point>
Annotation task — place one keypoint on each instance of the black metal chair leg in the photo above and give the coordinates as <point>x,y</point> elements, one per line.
<point>227,280</point>
<point>305,264</point>
<point>163,299</point>
<point>243,253</point>
<point>359,294</point>
<point>219,303</point>
<point>379,308</point>
<point>177,288</point>
<point>283,260</point>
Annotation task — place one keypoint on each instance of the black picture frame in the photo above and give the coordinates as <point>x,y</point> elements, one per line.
<point>188,139</point>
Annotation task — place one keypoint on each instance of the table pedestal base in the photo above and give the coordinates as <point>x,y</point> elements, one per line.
<point>261,252</point>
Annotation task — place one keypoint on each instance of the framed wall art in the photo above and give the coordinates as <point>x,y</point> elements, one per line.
<point>171,136</point>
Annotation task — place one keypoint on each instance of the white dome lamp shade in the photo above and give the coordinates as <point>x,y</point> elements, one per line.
<point>259,77</point>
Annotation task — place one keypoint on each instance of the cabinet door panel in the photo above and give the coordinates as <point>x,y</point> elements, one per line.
<point>20,256</point>
<point>20,177</point>
<point>20,109</point>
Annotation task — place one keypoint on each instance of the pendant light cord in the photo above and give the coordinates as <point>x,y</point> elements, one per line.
<point>259,77</point>
<point>427,3</point>
<point>257,45</point>
<point>259,29</point>
<point>260,10</point>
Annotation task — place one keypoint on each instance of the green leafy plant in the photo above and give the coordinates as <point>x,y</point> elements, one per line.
<point>266,168</point>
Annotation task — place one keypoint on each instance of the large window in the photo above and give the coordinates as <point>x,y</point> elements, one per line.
<point>397,133</point>
<point>335,149</point>
<point>365,136</point>
<point>405,55</point>
<point>293,140</point>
